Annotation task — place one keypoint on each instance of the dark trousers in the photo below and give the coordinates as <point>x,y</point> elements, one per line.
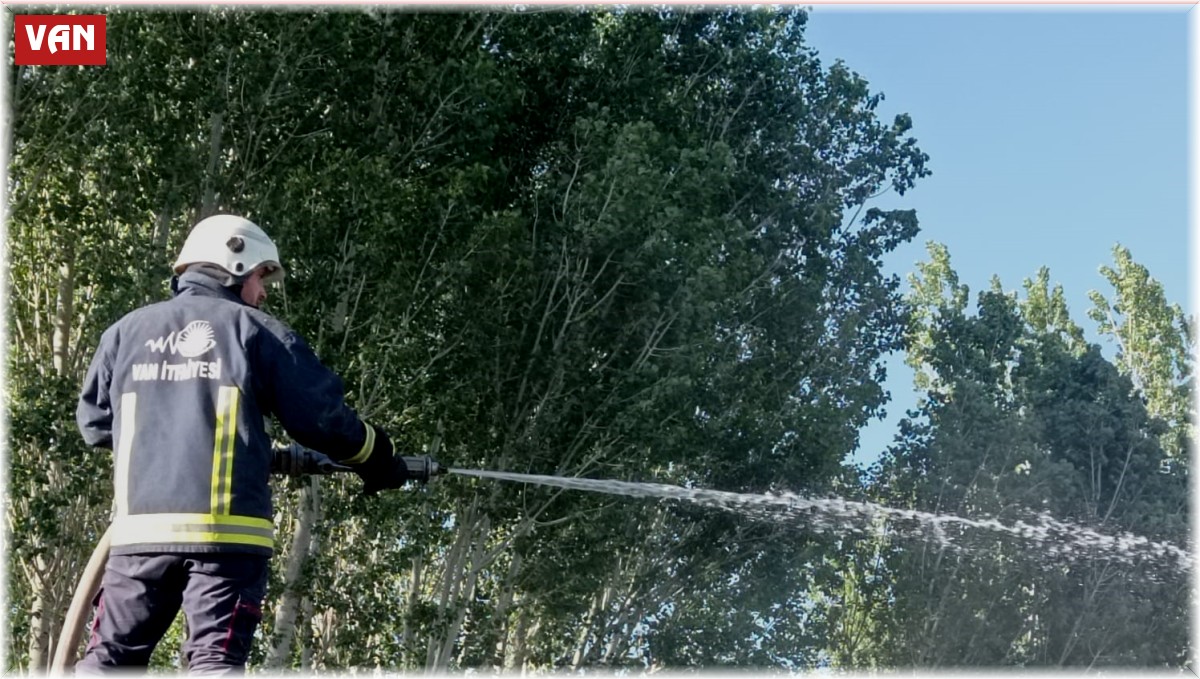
<point>140,595</point>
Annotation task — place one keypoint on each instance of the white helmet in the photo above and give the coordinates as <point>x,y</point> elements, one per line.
<point>235,244</point>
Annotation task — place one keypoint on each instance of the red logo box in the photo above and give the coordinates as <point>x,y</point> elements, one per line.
<point>60,40</point>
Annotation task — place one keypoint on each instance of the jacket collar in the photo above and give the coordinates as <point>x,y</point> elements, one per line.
<point>201,284</point>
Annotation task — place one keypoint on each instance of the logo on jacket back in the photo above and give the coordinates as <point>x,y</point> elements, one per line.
<point>196,339</point>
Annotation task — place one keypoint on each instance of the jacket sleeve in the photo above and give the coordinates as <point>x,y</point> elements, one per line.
<point>309,400</point>
<point>93,412</point>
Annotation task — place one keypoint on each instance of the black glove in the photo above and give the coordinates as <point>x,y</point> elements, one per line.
<point>383,470</point>
<point>394,476</point>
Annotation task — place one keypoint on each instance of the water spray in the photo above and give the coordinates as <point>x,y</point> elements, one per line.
<point>840,515</point>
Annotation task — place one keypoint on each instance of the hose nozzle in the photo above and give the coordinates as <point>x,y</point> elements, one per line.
<point>296,460</point>
<point>422,468</point>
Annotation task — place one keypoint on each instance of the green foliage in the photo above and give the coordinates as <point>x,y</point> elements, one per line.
<point>1020,417</point>
<point>1154,345</point>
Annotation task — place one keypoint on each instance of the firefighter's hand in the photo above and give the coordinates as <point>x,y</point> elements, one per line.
<point>383,470</point>
<point>389,476</point>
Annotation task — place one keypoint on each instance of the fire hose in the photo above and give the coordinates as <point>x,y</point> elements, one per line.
<point>291,460</point>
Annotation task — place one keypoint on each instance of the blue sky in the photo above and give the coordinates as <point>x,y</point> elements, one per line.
<point>1052,136</point>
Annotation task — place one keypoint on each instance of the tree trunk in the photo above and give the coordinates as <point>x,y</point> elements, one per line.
<point>519,647</point>
<point>506,599</point>
<point>478,550</point>
<point>585,632</point>
<point>289,601</point>
<point>414,591</point>
<point>64,310</point>
<point>216,129</point>
<point>451,582</point>
<point>39,635</point>
<point>306,640</point>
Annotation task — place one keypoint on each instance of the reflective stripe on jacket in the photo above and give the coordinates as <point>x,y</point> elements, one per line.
<point>179,390</point>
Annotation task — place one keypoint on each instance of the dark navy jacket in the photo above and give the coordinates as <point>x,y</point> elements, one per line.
<point>179,391</point>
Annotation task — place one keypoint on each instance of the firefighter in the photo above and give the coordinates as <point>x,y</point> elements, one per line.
<point>179,390</point>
